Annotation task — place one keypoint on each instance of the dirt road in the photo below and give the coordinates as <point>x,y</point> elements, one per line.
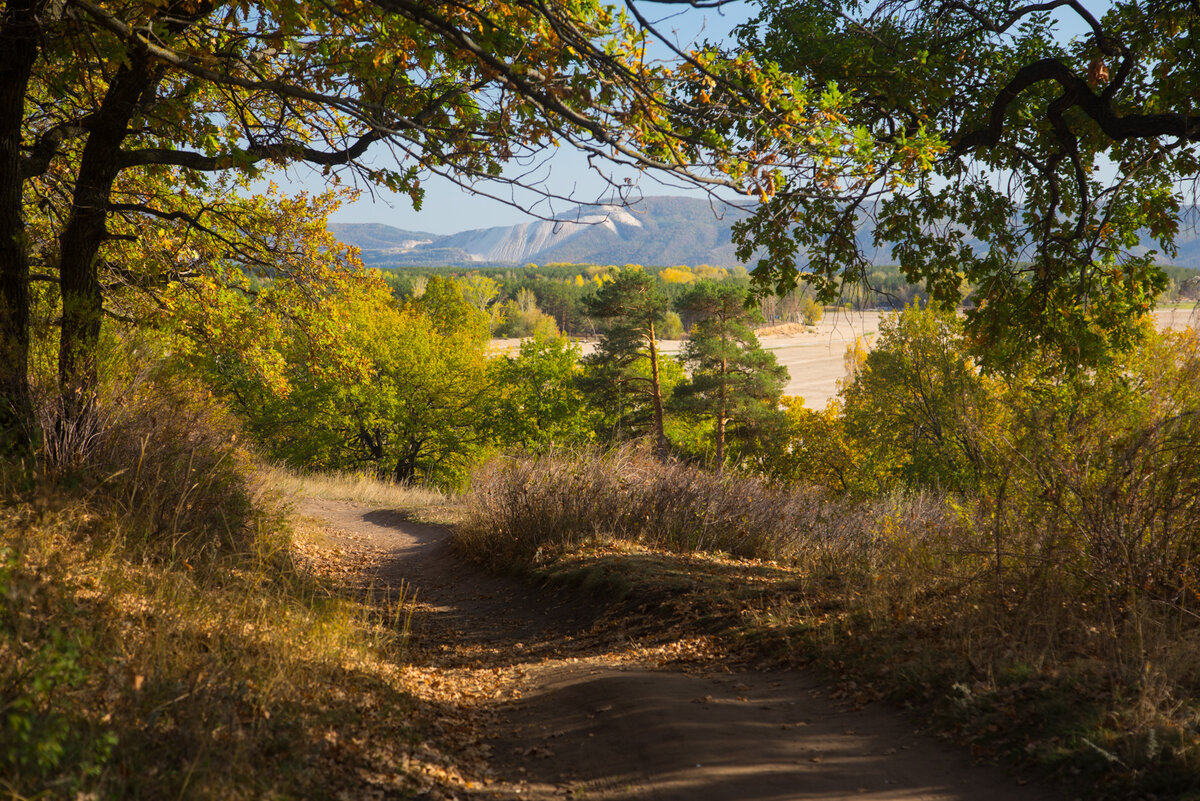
<point>576,718</point>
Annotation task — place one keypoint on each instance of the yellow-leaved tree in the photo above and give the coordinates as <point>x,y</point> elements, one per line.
<point>117,119</point>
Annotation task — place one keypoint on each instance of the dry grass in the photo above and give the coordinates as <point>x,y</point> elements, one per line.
<point>240,675</point>
<point>165,633</point>
<point>520,506</point>
<point>900,593</point>
<point>164,457</point>
<point>361,488</point>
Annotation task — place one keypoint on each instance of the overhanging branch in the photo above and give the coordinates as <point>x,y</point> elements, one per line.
<point>253,154</point>
<point>1077,94</point>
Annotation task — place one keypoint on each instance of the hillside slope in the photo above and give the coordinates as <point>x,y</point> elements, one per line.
<point>659,231</point>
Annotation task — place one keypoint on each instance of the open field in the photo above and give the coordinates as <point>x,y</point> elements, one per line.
<point>814,358</point>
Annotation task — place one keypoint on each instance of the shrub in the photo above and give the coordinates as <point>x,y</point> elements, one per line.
<point>811,312</point>
<point>521,505</point>
<point>163,455</point>
<point>1101,475</point>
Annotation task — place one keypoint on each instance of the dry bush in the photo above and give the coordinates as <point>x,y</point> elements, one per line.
<point>162,454</point>
<point>1095,503</point>
<point>519,505</point>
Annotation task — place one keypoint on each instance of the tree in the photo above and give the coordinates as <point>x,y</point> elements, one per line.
<point>101,98</point>
<point>626,362</point>
<point>539,405</point>
<point>912,408</point>
<point>521,317</point>
<point>482,292</point>
<point>815,449</point>
<point>732,379</point>
<point>1065,130</point>
<point>444,304</point>
<point>246,330</point>
<point>400,389</point>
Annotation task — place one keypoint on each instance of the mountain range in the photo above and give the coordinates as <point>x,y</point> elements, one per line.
<point>658,231</point>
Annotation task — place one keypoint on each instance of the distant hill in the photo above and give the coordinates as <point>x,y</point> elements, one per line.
<point>656,231</point>
<point>378,237</point>
<point>1187,241</point>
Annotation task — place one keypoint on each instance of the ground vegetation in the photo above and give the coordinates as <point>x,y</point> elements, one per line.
<point>1011,556</point>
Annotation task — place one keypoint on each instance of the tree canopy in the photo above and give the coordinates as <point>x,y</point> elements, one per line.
<point>1065,130</point>
<point>625,369</point>
<point>732,379</point>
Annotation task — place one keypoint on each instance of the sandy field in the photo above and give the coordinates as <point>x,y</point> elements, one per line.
<point>814,359</point>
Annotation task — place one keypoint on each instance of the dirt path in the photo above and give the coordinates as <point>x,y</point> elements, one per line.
<point>575,718</point>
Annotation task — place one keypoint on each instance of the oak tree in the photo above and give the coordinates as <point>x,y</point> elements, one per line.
<point>100,99</point>
<point>1064,131</point>
<point>362,383</point>
<point>539,406</point>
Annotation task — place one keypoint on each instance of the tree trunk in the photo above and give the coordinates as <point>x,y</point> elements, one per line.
<point>722,416</point>
<point>406,466</point>
<point>18,52</point>
<point>85,232</point>
<point>374,445</point>
<point>656,395</point>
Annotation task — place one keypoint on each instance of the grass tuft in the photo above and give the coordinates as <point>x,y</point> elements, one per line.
<point>361,488</point>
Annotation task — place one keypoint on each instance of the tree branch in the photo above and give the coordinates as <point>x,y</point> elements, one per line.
<point>256,152</point>
<point>46,148</point>
<point>1078,94</point>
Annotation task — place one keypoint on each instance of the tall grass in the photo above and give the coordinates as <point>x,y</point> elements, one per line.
<point>163,456</point>
<point>518,506</point>
<point>361,488</point>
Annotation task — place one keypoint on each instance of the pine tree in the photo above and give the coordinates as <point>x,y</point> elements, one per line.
<point>732,379</point>
<point>634,306</point>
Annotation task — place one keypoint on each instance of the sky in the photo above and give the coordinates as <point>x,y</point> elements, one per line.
<point>448,209</point>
